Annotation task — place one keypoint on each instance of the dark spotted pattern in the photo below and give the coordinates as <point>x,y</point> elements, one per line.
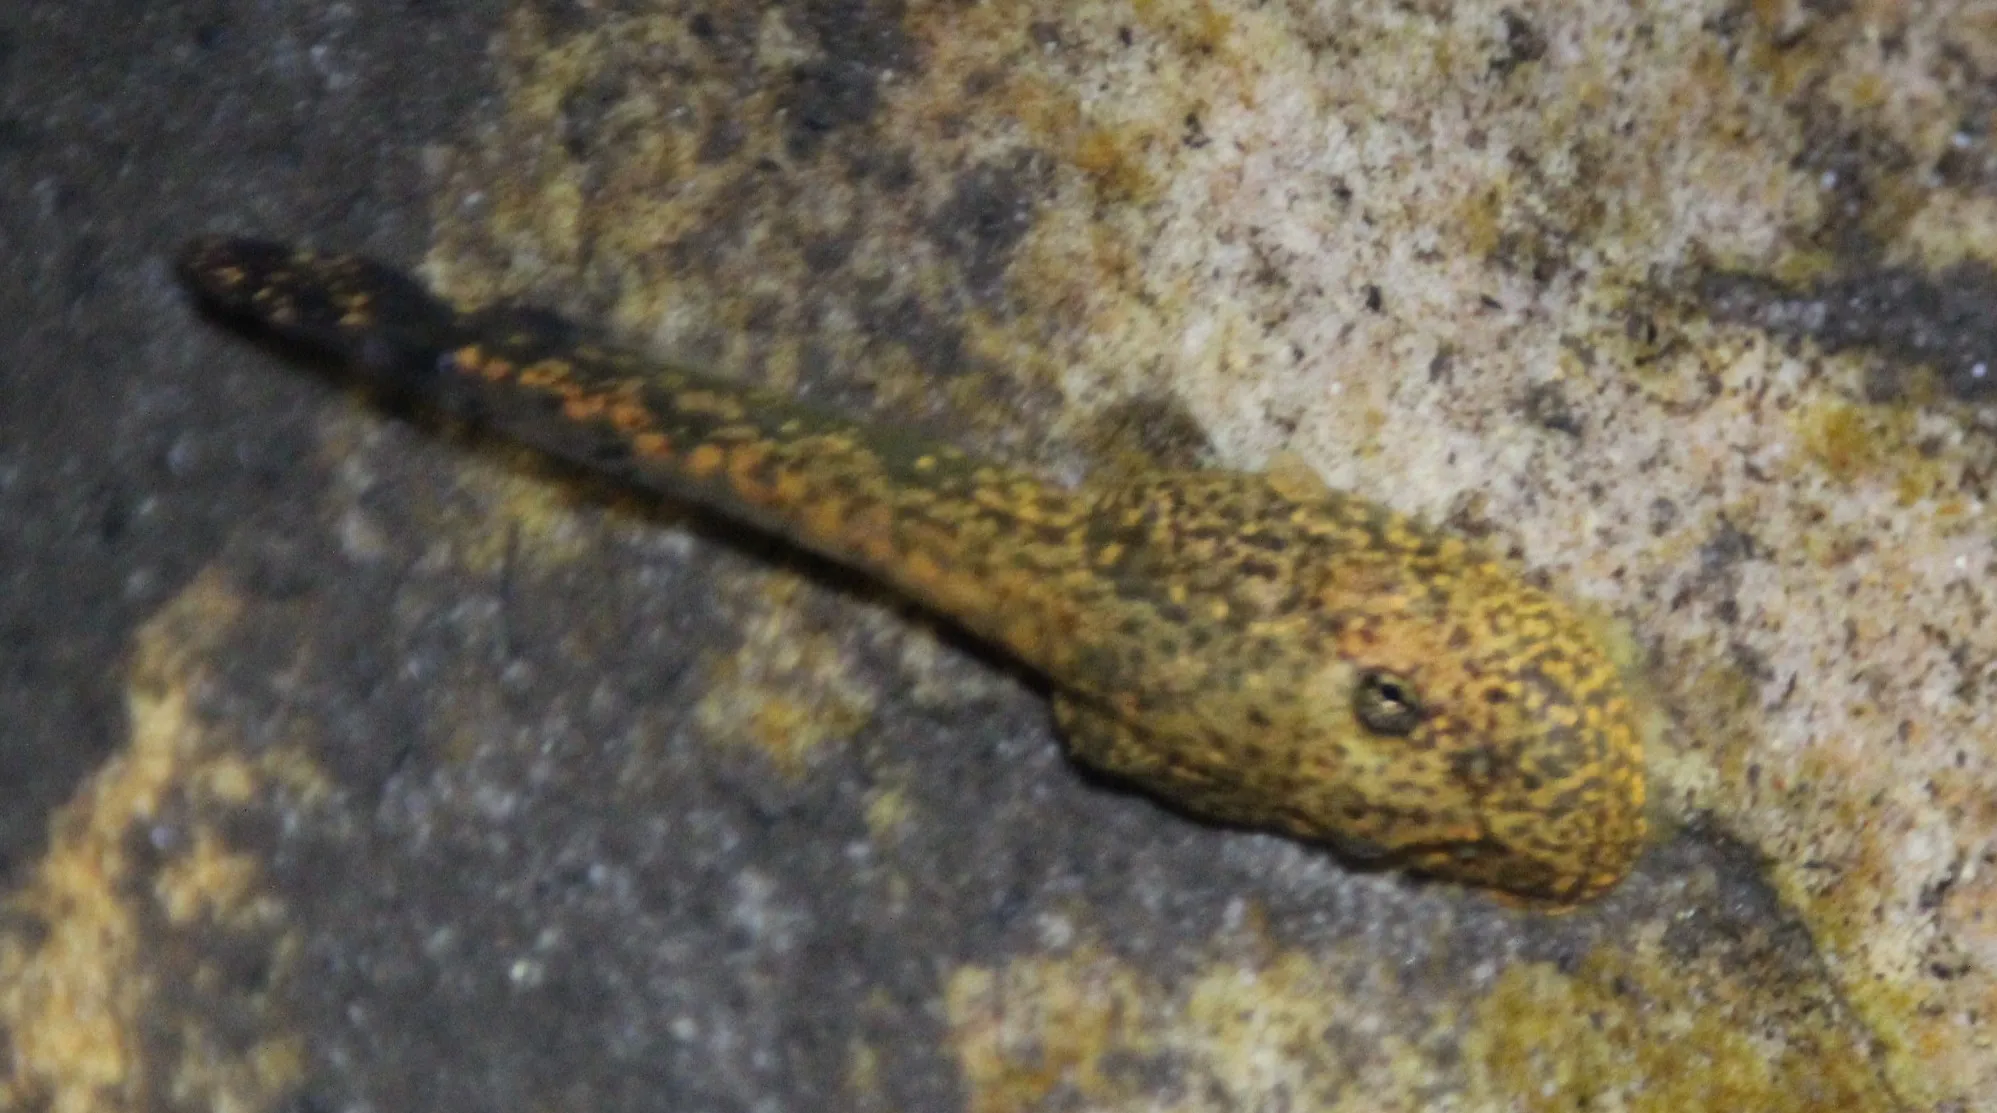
<point>1218,638</point>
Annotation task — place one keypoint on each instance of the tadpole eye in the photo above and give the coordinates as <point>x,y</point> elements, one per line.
<point>1386,703</point>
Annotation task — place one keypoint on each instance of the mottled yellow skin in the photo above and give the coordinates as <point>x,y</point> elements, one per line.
<point>1257,649</point>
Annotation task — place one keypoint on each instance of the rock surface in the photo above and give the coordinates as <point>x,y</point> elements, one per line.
<point>383,769</point>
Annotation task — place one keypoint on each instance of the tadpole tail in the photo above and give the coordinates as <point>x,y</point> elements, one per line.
<point>935,522</point>
<point>353,310</point>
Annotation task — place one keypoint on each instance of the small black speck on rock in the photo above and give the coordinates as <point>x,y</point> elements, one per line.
<point>1546,405</point>
<point>839,88</point>
<point>1523,43</point>
<point>209,34</point>
<point>1195,136</point>
<point>987,215</point>
<point>561,18</point>
<point>1729,545</point>
<point>1663,516</point>
<point>1442,366</point>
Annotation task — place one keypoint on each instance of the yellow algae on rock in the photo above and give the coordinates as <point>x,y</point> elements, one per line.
<point>1630,1028</point>
<point>1543,1041</point>
<point>789,688</point>
<point>1039,1027</point>
<point>80,989</point>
